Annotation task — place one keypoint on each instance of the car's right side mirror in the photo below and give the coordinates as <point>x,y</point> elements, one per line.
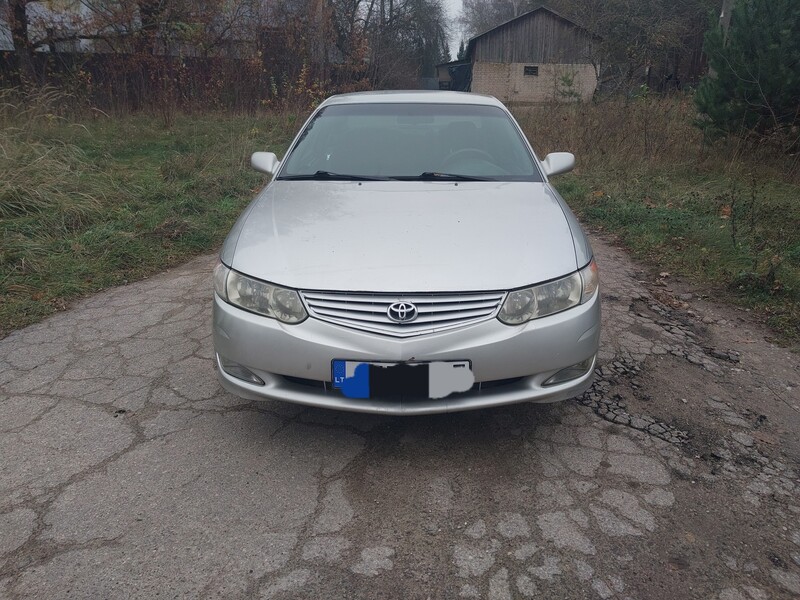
<point>556,163</point>
<point>266,162</point>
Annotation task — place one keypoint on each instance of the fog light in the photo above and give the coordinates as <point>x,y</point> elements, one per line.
<point>573,372</point>
<point>236,370</point>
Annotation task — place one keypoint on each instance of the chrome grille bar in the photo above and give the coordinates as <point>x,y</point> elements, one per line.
<point>435,312</point>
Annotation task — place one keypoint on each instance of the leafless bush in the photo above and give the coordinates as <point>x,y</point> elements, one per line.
<point>645,129</point>
<point>648,130</point>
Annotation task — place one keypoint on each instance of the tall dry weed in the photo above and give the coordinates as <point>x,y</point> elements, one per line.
<point>22,110</point>
<point>616,131</point>
<point>646,132</point>
<point>47,189</point>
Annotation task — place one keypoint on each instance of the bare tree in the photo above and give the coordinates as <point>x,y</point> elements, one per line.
<point>633,35</point>
<point>167,52</point>
<point>406,38</point>
<point>479,16</point>
<point>636,35</point>
<point>18,25</point>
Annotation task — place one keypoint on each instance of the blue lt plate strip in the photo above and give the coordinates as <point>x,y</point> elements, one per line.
<point>355,386</point>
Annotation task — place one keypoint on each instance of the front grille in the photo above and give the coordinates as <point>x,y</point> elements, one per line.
<point>435,312</point>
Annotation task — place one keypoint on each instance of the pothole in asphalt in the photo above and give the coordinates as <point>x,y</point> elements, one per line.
<point>730,444</point>
<point>611,406</point>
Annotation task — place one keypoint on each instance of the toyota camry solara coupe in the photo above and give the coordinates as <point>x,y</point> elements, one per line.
<point>409,256</point>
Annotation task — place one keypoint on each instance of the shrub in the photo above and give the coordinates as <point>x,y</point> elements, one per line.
<point>754,82</point>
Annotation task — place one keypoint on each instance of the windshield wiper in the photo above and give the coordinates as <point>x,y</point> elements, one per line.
<point>433,176</point>
<point>328,175</point>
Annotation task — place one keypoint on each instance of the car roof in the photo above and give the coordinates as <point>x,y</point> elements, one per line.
<point>412,97</point>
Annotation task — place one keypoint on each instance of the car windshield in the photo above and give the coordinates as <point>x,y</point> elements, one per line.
<point>411,141</point>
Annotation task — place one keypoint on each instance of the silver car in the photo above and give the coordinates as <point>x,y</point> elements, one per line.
<point>409,257</point>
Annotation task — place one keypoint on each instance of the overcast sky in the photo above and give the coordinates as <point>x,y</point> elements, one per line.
<point>453,11</point>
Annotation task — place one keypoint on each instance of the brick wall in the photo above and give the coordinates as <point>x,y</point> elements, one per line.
<point>509,83</point>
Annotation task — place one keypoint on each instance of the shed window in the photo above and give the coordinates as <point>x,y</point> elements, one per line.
<point>532,70</point>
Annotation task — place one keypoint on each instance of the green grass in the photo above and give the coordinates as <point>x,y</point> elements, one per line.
<point>738,235</point>
<point>90,204</point>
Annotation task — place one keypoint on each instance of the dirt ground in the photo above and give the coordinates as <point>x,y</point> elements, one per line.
<point>127,472</point>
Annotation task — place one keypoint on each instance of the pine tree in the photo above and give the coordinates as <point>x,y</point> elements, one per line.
<point>462,51</point>
<point>753,84</point>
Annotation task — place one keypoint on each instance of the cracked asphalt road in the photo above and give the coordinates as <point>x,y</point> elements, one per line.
<point>127,472</point>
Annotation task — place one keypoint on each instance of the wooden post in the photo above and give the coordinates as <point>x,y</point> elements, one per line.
<point>17,11</point>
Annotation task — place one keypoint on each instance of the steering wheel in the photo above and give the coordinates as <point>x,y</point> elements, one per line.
<point>465,153</point>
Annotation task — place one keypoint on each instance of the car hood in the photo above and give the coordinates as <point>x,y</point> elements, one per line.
<point>403,236</point>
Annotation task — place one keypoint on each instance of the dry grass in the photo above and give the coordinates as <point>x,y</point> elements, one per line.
<point>724,214</point>
<point>91,201</point>
<point>649,131</point>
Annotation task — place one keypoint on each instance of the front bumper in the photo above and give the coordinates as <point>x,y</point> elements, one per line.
<point>516,360</point>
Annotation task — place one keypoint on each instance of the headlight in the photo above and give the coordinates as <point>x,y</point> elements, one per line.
<point>258,297</point>
<point>546,299</point>
<point>220,277</point>
<point>591,281</point>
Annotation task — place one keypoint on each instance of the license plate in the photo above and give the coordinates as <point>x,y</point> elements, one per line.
<point>435,380</point>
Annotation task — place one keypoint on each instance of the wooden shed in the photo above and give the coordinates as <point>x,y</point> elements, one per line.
<point>538,56</point>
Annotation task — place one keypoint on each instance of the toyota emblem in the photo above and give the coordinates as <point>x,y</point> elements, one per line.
<point>402,312</point>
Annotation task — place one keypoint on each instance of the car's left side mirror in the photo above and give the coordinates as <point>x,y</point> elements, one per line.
<point>556,163</point>
<point>266,162</point>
